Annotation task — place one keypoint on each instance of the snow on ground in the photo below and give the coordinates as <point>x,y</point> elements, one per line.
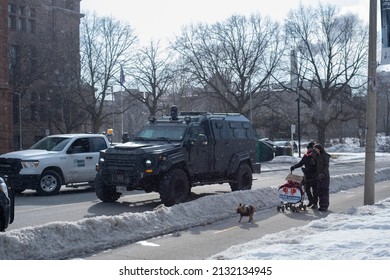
<point>361,233</point>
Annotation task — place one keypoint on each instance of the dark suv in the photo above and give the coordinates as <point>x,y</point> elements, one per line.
<point>179,151</point>
<point>7,203</point>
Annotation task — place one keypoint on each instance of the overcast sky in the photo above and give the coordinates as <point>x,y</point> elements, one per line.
<point>157,19</point>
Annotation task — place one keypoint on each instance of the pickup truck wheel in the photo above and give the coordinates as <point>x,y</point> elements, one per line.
<point>103,192</point>
<point>174,187</point>
<point>49,183</point>
<point>243,178</point>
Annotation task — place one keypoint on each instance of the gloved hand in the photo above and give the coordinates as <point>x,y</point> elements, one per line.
<point>321,177</point>
<point>292,168</point>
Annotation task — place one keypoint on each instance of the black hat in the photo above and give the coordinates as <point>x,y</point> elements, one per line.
<point>310,145</point>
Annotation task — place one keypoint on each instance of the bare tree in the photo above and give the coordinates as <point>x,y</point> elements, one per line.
<point>329,56</point>
<point>105,44</point>
<point>233,60</point>
<point>151,75</point>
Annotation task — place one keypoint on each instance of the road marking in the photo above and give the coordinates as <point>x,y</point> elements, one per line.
<point>146,243</point>
<point>226,229</point>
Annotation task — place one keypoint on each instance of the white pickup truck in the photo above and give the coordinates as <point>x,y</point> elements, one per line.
<point>54,161</point>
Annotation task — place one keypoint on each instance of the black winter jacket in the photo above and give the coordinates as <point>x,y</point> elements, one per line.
<point>310,165</point>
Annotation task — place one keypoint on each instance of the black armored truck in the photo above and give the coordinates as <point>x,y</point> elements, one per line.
<point>179,151</point>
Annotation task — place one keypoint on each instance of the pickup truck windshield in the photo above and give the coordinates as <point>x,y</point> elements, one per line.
<point>51,144</point>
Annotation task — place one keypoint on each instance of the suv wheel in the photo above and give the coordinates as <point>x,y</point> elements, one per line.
<point>49,183</point>
<point>174,187</point>
<point>243,178</point>
<point>104,192</point>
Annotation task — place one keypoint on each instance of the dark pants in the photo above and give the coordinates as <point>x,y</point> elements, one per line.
<point>323,193</point>
<point>311,190</point>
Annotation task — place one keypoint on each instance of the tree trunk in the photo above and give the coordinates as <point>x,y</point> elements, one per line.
<point>321,133</point>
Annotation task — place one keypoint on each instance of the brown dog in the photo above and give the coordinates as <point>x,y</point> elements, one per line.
<point>246,211</point>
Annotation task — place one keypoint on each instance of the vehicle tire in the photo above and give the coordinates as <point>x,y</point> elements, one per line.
<point>2,223</point>
<point>243,178</point>
<point>49,184</point>
<point>103,192</point>
<point>174,187</point>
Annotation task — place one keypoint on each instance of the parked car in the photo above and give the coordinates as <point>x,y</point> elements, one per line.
<point>7,203</point>
<point>56,160</point>
<point>283,148</point>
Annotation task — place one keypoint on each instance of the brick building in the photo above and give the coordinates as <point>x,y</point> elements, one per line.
<point>34,35</point>
<point>6,132</point>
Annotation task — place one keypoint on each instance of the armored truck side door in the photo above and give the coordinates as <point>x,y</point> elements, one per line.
<point>199,157</point>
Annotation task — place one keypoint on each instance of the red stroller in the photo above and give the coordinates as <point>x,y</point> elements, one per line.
<point>291,194</point>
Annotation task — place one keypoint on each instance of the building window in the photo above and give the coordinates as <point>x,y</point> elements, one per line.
<point>12,22</point>
<point>11,9</point>
<point>22,24</point>
<point>22,11</point>
<point>12,58</point>
<point>31,26</point>
<point>32,13</point>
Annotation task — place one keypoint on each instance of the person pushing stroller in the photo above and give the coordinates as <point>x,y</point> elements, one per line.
<point>309,172</point>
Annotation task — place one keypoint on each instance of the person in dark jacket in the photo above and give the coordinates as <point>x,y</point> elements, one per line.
<point>322,176</point>
<point>309,171</point>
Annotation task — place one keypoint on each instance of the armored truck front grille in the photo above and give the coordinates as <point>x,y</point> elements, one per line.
<point>10,166</point>
<point>123,162</point>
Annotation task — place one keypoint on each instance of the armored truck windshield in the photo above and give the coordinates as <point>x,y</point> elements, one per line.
<point>161,132</point>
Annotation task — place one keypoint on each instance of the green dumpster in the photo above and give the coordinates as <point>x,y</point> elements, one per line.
<point>264,151</point>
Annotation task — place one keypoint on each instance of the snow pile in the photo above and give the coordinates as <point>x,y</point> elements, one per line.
<point>358,234</point>
<point>61,240</point>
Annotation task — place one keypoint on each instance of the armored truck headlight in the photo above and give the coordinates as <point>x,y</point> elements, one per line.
<point>101,160</point>
<point>148,163</point>
<point>163,157</point>
<point>30,163</point>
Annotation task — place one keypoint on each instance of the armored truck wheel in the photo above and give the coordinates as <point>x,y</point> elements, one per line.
<point>174,187</point>
<point>104,192</point>
<point>243,178</point>
<point>49,183</point>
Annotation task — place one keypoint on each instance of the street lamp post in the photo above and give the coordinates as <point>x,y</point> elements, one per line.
<point>20,119</point>
<point>369,179</point>
<point>295,83</point>
<point>250,98</point>
<point>299,122</point>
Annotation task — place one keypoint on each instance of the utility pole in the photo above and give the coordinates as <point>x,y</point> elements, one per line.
<point>369,180</point>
